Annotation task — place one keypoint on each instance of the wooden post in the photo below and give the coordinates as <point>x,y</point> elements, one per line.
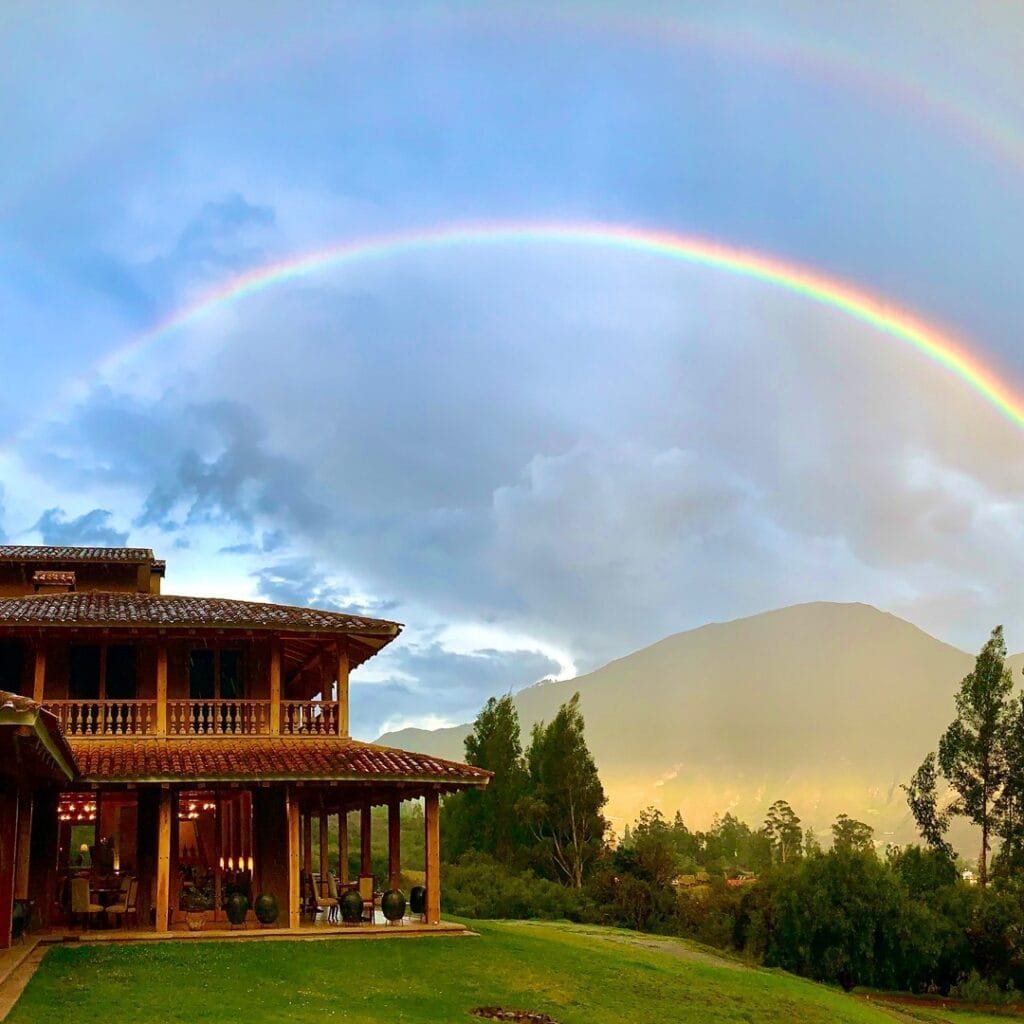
<point>307,843</point>
<point>275,688</point>
<point>431,815</point>
<point>24,846</point>
<point>218,852</point>
<point>42,878</point>
<point>161,690</point>
<point>39,676</point>
<point>342,690</point>
<point>394,844</point>
<point>343,846</point>
<point>292,808</point>
<point>365,853</point>
<point>323,853</point>
<point>8,845</point>
<point>163,862</point>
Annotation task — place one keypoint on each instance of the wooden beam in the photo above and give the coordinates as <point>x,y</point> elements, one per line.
<point>394,844</point>
<point>161,688</point>
<point>343,846</point>
<point>365,853</point>
<point>342,690</point>
<point>323,852</point>
<point>39,675</point>
<point>275,688</point>
<point>163,862</point>
<point>432,838</point>
<point>24,846</point>
<point>292,810</point>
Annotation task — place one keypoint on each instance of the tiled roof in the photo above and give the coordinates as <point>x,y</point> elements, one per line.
<point>60,553</point>
<point>60,748</point>
<point>53,577</point>
<point>128,759</point>
<point>17,703</point>
<point>102,608</point>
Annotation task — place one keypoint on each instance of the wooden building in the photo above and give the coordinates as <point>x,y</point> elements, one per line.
<point>185,740</point>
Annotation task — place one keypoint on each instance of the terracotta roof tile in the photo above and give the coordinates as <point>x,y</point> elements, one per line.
<point>61,553</point>
<point>101,608</point>
<point>53,577</point>
<point>129,759</point>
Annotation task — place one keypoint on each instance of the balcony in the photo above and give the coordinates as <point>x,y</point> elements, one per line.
<point>207,718</point>
<point>105,717</point>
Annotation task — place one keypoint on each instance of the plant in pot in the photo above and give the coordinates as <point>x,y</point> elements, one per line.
<point>196,902</point>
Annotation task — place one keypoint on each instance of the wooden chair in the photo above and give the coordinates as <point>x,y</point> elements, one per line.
<point>127,906</point>
<point>368,897</point>
<point>319,904</point>
<point>81,902</point>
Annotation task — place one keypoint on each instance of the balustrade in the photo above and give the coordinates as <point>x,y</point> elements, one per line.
<point>104,717</point>
<point>218,717</point>
<point>309,717</point>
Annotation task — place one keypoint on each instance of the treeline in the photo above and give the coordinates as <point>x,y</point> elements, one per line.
<point>535,844</point>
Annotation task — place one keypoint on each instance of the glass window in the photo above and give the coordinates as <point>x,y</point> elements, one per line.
<point>201,675</point>
<point>231,683</point>
<point>84,672</point>
<point>12,664</point>
<point>121,672</point>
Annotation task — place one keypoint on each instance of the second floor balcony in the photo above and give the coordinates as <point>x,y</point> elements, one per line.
<point>207,718</point>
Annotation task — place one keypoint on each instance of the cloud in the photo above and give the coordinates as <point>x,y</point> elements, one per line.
<point>89,528</point>
<point>3,536</point>
<point>300,582</point>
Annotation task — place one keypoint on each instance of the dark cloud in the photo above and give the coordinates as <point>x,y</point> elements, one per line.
<point>301,582</point>
<point>90,528</point>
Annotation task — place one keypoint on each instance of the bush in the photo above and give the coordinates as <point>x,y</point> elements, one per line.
<point>478,886</point>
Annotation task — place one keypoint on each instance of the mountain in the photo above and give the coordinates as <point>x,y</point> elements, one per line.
<point>829,706</point>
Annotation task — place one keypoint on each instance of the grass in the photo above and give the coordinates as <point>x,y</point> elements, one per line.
<point>578,976</point>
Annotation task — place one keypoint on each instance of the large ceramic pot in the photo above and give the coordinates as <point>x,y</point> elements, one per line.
<point>266,908</point>
<point>392,905</point>
<point>237,906</point>
<point>417,899</point>
<point>196,919</point>
<point>351,907</point>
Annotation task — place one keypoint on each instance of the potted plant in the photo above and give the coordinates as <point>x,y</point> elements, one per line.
<point>196,902</point>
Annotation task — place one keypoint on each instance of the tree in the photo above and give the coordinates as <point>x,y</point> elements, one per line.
<point>487,820</point>
<point>1010,805</point>
<point>971,752</point>
<point>655,851</point>
<point>565,799</point>
<point>922,797</point>
<point>851,835</point>
<point>782,828</point>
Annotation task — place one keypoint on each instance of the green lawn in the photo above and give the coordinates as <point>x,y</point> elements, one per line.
<point>577,976</point>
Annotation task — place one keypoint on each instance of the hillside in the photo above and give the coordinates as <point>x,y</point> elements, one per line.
<point>830,706</point>
<point>572,974</point>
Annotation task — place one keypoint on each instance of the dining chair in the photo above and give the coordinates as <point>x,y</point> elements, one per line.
<point>366,893</point>
<point>128,904</point>
<point>81,902</point>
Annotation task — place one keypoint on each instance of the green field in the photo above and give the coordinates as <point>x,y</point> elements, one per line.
<point>577,975</point>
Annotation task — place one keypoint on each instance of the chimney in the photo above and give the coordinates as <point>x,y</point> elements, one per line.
<point>49,581</point>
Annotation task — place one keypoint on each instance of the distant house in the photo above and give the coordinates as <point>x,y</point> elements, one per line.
<point>184,742</point>
<point>691,881</point>
<point>969,876</point>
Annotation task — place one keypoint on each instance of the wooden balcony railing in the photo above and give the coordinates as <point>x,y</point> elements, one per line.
<point>218,717</point>
<point>104,717</point>
<point>309,718</point>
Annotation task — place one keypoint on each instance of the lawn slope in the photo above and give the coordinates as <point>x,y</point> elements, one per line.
<point>578,976</point>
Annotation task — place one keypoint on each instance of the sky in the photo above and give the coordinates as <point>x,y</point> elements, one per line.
<point>537,454</point>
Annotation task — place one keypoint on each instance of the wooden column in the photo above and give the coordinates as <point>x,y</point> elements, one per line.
<point>218,852</point>
<point>39,675</point>
<point>432,815</point>
<point>42,876</point>
<point>394,844</point>
<point>343,846</point>
<point>323,853</point>
<point>342,690</point>
<point>163,861</point>
<point>292,807</point>
<point>275,688</point>
<point>307,843</point>
<point>24,846</point>
<point>161,689</point>
<point>365,853</point>
<point>8,846</point>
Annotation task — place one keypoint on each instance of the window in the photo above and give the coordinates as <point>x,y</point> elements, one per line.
<point>121,673</point>
<point>12,665</point>
<point>84,672</point>
<point>215,675</point>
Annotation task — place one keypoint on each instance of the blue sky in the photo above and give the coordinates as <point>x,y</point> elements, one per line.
<point>538,457</point>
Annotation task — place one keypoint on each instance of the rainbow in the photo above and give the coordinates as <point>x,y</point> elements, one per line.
<point>939,346</point>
